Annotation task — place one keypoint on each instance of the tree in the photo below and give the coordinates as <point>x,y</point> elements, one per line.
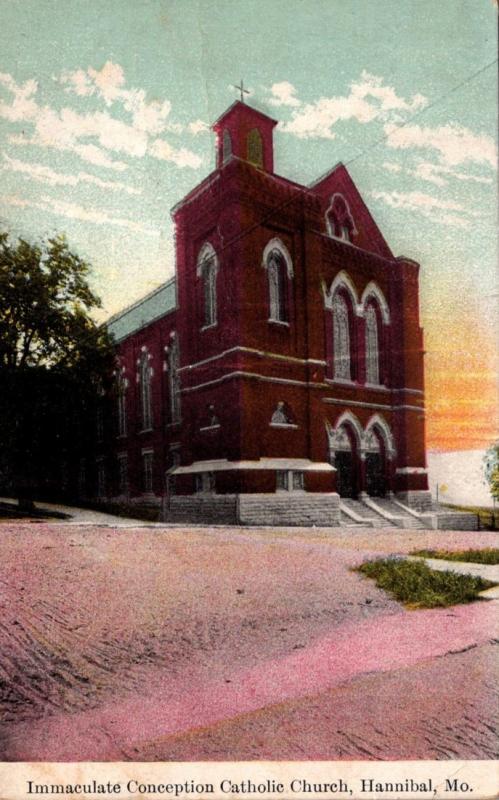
<point>491,469</point>
<point>53,356</point>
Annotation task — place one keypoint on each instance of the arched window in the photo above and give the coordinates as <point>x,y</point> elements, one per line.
<point>122,385</point>
<point>145,376</point>
<point>255,148</point>
<point>339,220</point>
<point>276,268</point>
<point>207,269</point>
<point>226,146</point>
<point>341,339</point>
<point>372,345</point>
<point>173,359</point>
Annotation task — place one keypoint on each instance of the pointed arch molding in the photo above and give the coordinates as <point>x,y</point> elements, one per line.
<point>379,424</point>
<point>372,290</point>
<point>375,423</point>
<point>348,214</point>
<point>349,419</point>
<point>207,253</point>
<point>276,244</point>
<point>343,281</point>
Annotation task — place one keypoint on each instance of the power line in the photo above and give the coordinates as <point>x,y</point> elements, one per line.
<point>423,110</point>
<point>300,190</point>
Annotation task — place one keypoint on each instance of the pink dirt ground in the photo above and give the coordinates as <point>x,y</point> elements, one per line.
<point>124,644</point>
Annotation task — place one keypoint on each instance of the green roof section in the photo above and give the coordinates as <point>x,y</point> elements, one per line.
<point>153,306</point>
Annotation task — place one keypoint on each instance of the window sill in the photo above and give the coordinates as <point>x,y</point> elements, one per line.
<point>146,430</point>
<point>341,381</point>
<point>281,322</point>
<point>208,327</point>
<point>210,428</point>
<point>288,425</point>
<point>380,387</point>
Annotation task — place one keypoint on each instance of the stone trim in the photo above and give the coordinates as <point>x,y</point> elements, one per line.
<point>264,354</point>
<point>223,465</point>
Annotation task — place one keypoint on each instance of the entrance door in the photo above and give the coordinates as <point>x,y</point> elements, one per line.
<point>375,475</point>
<point>345,473</point>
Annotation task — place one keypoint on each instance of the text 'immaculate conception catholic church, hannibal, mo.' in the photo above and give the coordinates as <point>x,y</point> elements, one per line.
<point>279,376</point>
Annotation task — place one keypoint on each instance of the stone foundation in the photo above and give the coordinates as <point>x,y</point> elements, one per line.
<point>280,509</point>
<point>418,500</point>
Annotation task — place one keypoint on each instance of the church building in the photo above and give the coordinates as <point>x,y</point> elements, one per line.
<point>279,376</point>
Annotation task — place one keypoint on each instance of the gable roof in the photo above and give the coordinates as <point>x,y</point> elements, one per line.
<point>156,304</point>
<point>339,181</point>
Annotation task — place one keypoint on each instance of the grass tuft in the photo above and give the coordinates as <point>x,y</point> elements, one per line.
<point>418,586</point>
<point>488,555</point>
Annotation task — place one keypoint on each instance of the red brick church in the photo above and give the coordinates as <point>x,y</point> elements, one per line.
<point>279,376</point>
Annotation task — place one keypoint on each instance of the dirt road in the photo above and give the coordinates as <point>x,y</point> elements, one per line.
<point>150,644</point>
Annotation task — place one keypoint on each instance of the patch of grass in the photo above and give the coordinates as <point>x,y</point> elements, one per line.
<point>418,586</point>
<point>488,555</point>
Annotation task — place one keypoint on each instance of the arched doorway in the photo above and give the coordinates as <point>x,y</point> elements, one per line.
<point>344,455</point>
<point>376,485</point>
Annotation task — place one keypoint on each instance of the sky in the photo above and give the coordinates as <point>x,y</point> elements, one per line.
<point>105,111</point>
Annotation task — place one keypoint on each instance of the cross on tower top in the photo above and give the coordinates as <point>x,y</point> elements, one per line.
<point>241,89</point>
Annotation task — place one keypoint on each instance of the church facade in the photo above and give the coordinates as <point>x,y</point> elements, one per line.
<point>282,367</point>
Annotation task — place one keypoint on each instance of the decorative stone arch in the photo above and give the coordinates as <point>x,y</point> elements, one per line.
<point>207,254</point>
<point>379,424</point>
<point>277,244</point>
<point>372,290</point>
<point>343,281</point>
<point>338,212</point>
<point>347,418</point>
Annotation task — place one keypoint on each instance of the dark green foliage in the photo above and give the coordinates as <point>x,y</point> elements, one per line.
<point>418,586</point>
<point>489,555</point>
<point>54,359</point>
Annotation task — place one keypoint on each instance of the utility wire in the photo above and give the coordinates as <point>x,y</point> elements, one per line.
<point>423,110</point>
<point>300,190</point>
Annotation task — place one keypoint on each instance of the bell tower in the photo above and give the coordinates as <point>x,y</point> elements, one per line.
<point>245,133</point>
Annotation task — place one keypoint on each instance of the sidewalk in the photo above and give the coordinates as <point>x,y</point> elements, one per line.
<point>86,516</point>
<point>489,572</point>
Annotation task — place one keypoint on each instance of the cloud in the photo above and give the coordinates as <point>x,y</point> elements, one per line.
<point>439,174</point>
<point>23,106</point>
<point>444,212</point>
<point>391,167</point>
<point>198,126</point>
<point>108,84</point>
<point>283,94</point>
<point>181,158</point>
<point>93,135</point>
<point>454,144</point>
<point>368,100</point>
<point>43,174</point>
<point>74,211</point>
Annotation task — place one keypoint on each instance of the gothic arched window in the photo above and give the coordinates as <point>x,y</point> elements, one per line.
<point>255,147</point>
<point>207,269</point>
<point>277,277</point>
<point>145,377</point>
<point>339,220</point>
<point>173,359</point>
<point>122,385</point>
<point>341,339</point>
<point>372,345</point>
<point>226,146</point>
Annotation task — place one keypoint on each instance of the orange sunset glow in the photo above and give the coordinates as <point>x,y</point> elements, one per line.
<point>461,385</point>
